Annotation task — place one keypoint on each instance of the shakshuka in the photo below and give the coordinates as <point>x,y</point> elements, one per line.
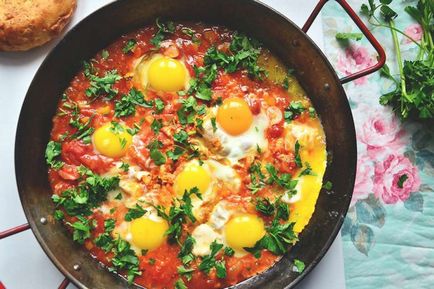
<point>185,155</point>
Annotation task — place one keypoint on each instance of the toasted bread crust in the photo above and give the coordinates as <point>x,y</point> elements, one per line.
<point>25,24</point>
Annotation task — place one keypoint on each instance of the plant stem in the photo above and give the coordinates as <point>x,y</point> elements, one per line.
<point>395,29</point>
<point>399,60</point>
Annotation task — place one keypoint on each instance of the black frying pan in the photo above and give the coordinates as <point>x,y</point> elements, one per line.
<point>277,33</point>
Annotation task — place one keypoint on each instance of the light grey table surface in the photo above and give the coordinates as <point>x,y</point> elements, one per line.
<point>23,264</point>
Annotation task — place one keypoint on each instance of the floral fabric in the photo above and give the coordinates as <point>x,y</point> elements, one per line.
<point>388,233</point>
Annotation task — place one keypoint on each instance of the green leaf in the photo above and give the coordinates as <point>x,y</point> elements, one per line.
<point>176,153</point>
<point>349,36</point>
<point>159,105</point>
<point>185,254</point>
<point>81,229</point>
<point>164,29</point>
<point>294,110</point>
<point>134,213</point>
<point>53,150</point>
<point>229,251</point>
<point>179,284</point>
<point>299,266</point>
<point>386,2</point>
<point>388,13</point>
<point>103,86</point>
<point>127,104</point>
<point>297,157</point>
<point>264,206</point>
<point>327,185</point>
<point>104,54</point>
<point>156,125</point>
<point>129,46</point>
<point>156,155</point>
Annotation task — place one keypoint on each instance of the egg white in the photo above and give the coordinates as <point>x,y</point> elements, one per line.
<point>218,173</point>
<point>235,148</point>
<point>206,233</point>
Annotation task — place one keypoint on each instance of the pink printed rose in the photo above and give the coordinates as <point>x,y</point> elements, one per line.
<point>415,31</point>
<point>395,179</point>
<point>355,58</point>
<point>381,132</point>
<point>363,185</point>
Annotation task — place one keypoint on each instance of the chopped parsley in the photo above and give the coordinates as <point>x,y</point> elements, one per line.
<point>327,186</point>
<point>264,206</point>
<point>244,53</point>
<point>312,112</point>
<point>129,46</point>
<point>189,110</point>
<point>134,213</point>
<point>185,254</point>
<point>190,32</point>
<point>124,167</point>
<point>104,54</point>
<point>136,128</point>
<point>181,137</point>
<point>179,213</point>
<point>297,157</point>
<point>59,215</point>
<point>179,284</point>
<point>127,104</point>
<point>299,266</point>
<point>81,229</point>
<point>105,240</point>
<point>156,125</point>
<point>164,29</point>
<point>186,272</point>
<point>156,155</point>
<point>159,105</point>
<point>125,259</point>
<point>53,150</point>
<point>118,196</point>
<point>294,110</point>
<point>214,124</point>
<point>209,261</point>
<point>84,130</point>
<point>89,194</point>
<point>229,251</point>
<point>283,180</point>
<point>307,170</point>
<point>103,86</point>
<point>176,153</point>
<point>257,178</point>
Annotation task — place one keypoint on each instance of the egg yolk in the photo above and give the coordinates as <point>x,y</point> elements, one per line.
<point>192,176</point>
<point>110,141</point>
<point>244,231</point>
<point>234,116</point>
<point>167,74</point>
<point>147,233</point>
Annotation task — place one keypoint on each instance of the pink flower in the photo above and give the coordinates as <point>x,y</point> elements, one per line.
<point>381,132</point>
<point>354,59</point>
<point>415,31</point>
<point>395,179</point>
<point>363,185</point>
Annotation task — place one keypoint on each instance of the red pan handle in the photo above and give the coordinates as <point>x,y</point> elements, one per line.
<point>381,60</point>
<point>13,231</point>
